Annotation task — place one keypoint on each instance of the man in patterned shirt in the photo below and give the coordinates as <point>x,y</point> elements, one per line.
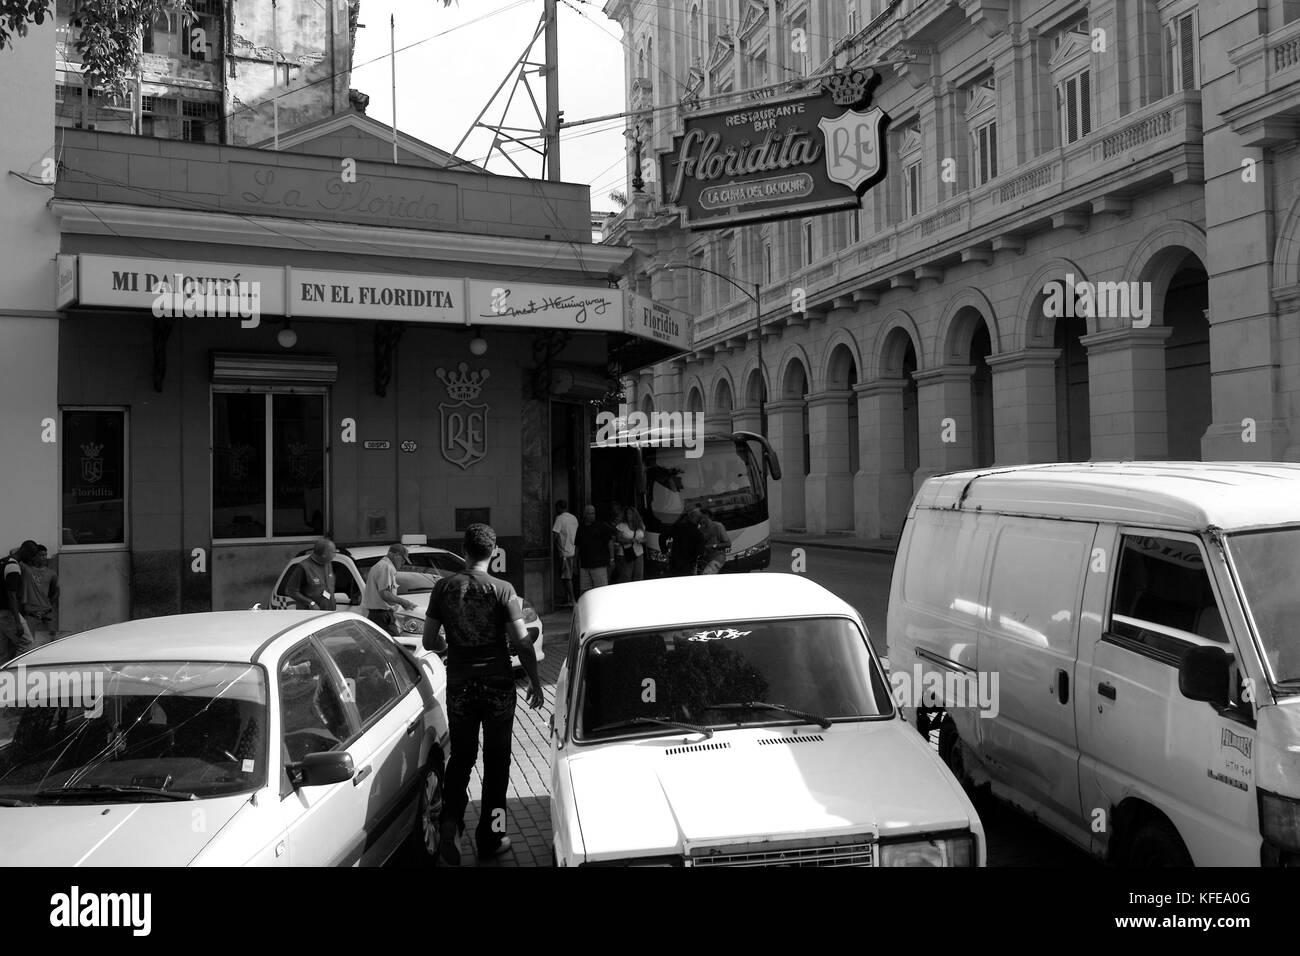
<point>484,620</point>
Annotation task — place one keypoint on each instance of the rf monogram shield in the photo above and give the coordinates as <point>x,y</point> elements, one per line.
<point>854,146</point>
<point>464,432</point>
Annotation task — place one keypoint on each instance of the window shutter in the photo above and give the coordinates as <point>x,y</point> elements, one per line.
<point>993,150</point>
<point>1187,40</point>
<point>1070,93</point>
<point>1085,103</point>
<point>1171,52</point>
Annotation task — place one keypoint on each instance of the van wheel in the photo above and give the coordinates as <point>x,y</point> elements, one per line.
<point>1157,843</point>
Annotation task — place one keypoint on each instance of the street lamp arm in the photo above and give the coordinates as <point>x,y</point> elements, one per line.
<point>752,298</point>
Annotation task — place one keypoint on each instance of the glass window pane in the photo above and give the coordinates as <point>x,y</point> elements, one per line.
<point>238,466</point>
<point>94,477</point>
<point>311,714</point>
<point>365,669</point>
<point>298,465</point>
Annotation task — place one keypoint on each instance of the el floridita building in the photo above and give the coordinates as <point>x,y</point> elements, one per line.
<point>1030,145</point>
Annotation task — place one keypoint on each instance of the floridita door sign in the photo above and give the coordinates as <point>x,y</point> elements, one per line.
<point>780,159</point>
<point>464,421</point>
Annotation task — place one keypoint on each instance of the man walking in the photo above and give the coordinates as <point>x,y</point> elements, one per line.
<point>311,582</point>
<point>381,597</point>
<point>593,546</point>
<point>716,542</point>
<point>687,545</point>
<point>41,596</point>
<point>15,635</point>
<point>483,620</point>
<point>565,531</point>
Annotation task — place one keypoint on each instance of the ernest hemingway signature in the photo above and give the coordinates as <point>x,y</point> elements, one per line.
<point>598,306</point>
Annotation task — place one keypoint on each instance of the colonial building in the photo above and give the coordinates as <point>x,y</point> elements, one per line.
<point>1035,149</point>
<point>229,74</point>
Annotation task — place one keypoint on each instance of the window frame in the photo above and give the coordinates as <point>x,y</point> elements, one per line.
<point>983,172</point>
<point>1068,90</point>
<point>807,243</point>
<point>269,392</point>
<point>125,544</point>
<point>912,190</point>
<point>337,684</point>
<point>349,703</point>
<point>1137,647</point>
<point>1172,74</point>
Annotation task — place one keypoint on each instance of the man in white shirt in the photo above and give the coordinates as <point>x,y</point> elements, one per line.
<point>381,590</point>
<point>565,531</point>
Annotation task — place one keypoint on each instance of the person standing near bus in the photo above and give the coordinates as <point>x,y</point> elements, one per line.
<point>716,542</point>
<point>687,545</point>
<point>631,545</point>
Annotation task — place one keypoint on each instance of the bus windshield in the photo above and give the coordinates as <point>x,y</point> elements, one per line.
<point>725,479</point>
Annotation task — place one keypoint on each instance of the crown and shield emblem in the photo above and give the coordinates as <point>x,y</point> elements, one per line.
<point>855,139</point>
<point>464,421</point>
<point>92,465</point>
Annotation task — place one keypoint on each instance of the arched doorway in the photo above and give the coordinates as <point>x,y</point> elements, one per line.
<point>1073,408</point>
<point>695,401</point>
<point>981,397</point>
<point>756,398</point>
<point>1188,407</point>
<point>833,430</point>
<point>647,405</point>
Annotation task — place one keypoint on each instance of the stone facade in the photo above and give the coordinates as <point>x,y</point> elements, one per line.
<point>1147,149</point>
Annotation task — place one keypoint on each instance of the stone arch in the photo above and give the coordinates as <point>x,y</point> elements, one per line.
<point>955,328</point>
<point>842,338</point>
<point>695,395</point>
<point>1286,251</point>
<point>794,355</point>
<point>751,395</point>
<point>723,391</point>
<point>1159,257</point>
<point>1030,326</point>
<point>885,359</point>
<point>647,403</point>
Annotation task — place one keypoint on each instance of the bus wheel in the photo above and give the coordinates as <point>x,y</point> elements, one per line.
<point>1156,843</point>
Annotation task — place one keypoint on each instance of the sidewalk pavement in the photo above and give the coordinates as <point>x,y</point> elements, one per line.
<point>840,541</point>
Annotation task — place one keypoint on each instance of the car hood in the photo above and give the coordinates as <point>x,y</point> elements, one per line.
<point>112,834</point>
<point>661,795</point>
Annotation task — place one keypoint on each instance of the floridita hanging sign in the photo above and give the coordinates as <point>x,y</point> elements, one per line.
<point>779,159</point>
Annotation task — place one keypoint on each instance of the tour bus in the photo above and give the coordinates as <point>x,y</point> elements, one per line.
<point>663,475</point>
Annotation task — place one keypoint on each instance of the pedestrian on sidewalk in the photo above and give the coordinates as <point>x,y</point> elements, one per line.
<point>381,597</point>
<point>593,542</point>
<point>311,582</point>
<point>565,531</point>
<point>631,544</point>
<point>15,633</point>
<point>41,596</point>
<point>483,620</point>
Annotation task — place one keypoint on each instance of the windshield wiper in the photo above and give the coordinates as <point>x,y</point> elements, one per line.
<point>99,789</point>
<point>660,721</point>
<point>14,802</point>
<point>822,722</point>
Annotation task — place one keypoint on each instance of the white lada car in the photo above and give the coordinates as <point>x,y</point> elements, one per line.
<point>741,720</point>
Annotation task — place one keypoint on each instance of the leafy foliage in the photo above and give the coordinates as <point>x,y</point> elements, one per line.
<point>107,33</point>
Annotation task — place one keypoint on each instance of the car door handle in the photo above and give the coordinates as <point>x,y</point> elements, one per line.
<point>1106,690</point>
<point>361,775</point>
<point>414,725</point>
<point>1062,686</point>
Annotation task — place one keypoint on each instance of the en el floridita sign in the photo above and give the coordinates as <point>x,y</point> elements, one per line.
<point>780,159</point>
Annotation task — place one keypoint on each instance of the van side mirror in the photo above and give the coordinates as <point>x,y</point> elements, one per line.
<point>1203,675</point>
<point>342,599</point>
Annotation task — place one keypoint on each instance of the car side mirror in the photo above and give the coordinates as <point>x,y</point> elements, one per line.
<point>1203,675</point>
<point>322,769</point>
<point>341,598</point>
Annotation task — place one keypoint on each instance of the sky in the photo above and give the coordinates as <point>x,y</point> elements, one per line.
<point>443,82</point>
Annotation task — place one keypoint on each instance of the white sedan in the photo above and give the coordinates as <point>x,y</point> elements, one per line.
<point>415,582</point>
<point>224,739</point>
<point>741,720</point>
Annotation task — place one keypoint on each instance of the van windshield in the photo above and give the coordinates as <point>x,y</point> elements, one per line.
<point>1268,565</point>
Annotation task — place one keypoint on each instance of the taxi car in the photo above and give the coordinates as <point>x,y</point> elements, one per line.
<point>415,582</point>
<point>231,738</point>
<point>741,720</point>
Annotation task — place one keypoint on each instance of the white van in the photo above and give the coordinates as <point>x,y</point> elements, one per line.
<point>1115,649</point>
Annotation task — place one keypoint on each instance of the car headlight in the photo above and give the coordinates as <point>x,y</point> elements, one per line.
<point>940,850</point>
<point>409,624</point>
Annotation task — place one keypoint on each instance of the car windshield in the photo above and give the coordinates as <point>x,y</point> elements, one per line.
<point>413,582</point>
<point>1268,565</point>
<point>434,562</point>
<point>819,667</point>
<point>131,730</point>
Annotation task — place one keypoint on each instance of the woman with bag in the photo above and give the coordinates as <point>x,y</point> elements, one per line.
<point>631,544</point>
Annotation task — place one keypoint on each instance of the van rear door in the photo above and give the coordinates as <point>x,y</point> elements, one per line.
<point>1027,652</point>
